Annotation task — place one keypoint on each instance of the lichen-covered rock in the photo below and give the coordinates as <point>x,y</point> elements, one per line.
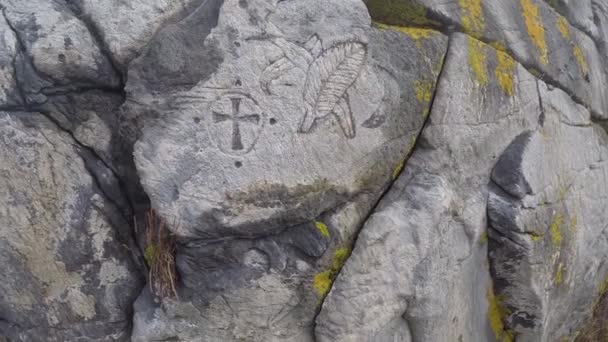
<point>304,141</point>
<point>287,118</point>
<point>418,271</point>
<point>548,224</point>
<point>66,271</point>
<point>539,38</point>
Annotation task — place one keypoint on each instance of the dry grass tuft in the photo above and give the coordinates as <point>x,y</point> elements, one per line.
<point>597,329</point>
<point>159,255</point>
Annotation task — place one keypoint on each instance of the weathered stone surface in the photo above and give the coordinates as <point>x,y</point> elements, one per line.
<point>60,46</point>
<point>579,13</point>
<point>9,93</point>
<point>417,272</point>
<point>239,281</point>
<point>66,271</point>
<point>530,30</point>
<point>271,132</point>
<point>266,289</point>
<point>548,242</point>
<point>295,120</point>
<point>126,27</point>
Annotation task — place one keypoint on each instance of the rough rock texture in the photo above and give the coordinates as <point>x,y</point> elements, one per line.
<point>66,266</point>
<point>417,272</point>
<point>296,123</point>
<point>546,211</point>
<point>538,37</point>
<point>291,118</point>
<point>333,170</point>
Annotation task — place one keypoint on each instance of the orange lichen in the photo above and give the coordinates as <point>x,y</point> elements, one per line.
<point>477,60</point>
<point>581,60</point>
<point>472,17</point>
<point>504,72</point>
<point>562,26</point>
<point>535,28</point>
<point>497,312</point>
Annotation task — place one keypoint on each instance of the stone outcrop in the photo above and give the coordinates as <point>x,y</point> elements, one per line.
<point>331,170</point>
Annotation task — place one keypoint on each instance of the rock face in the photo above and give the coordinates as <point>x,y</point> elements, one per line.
<point>291,118</point>
<point>66,268</point>
<point>544,206</point>
<point>294,124</point>
<point>332,170</point>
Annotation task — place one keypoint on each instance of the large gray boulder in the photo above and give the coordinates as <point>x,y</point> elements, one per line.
<point>417,271</point>
<point>281,141</point>
<point>547,218</point>
<point>287,118</point>
<point>66,268</point>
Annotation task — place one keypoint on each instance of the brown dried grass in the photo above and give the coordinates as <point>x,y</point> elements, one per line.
<point>159,254</point>
<point>597,328</point>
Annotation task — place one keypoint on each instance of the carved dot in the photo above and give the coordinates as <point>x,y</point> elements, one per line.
<point>238,83</point>
<point>273,121</point>
<point>61,57</point>
<point>237,44</point>
<point>197,119</point>
<point>238,164</point>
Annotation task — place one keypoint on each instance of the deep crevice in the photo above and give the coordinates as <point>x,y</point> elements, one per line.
<point>98,38</point>
<point>390,186</point>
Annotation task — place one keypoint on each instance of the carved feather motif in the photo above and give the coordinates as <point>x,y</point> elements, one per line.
<point>329,77</point>
<point>331,74</point>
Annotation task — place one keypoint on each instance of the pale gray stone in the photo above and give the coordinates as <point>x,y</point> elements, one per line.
<point>126,27</point>
<point>60,46</point>
<point>420,258</point>
<point>66,271</point>
<point>547,244</point>
<point>256,263</point>
<point>297,118</point>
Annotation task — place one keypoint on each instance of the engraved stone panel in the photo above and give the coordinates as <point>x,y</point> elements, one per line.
<point>279,131</point>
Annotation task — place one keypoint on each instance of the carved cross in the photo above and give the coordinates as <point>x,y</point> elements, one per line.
<point>236,118</point>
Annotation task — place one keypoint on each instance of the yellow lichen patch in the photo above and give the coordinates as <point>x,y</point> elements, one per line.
<point>340,256</point>
<point>559,275</point>
<point>322,228</point>
<point>562,26</point>
<point>417,34</point>
<point>497,312</point>
<point>397,169</point>
<point>555,229</point>
<point>477,60</point>
<point>535,28</point>
<point>498,46</point>
<point>149,254</point>
<point>322,282</point>
<point>581,60</point>
<point>483,238</point>
<point>504,72</point>
<point>471,14</point>
<point>424,94</point>
<point>535,236</point>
